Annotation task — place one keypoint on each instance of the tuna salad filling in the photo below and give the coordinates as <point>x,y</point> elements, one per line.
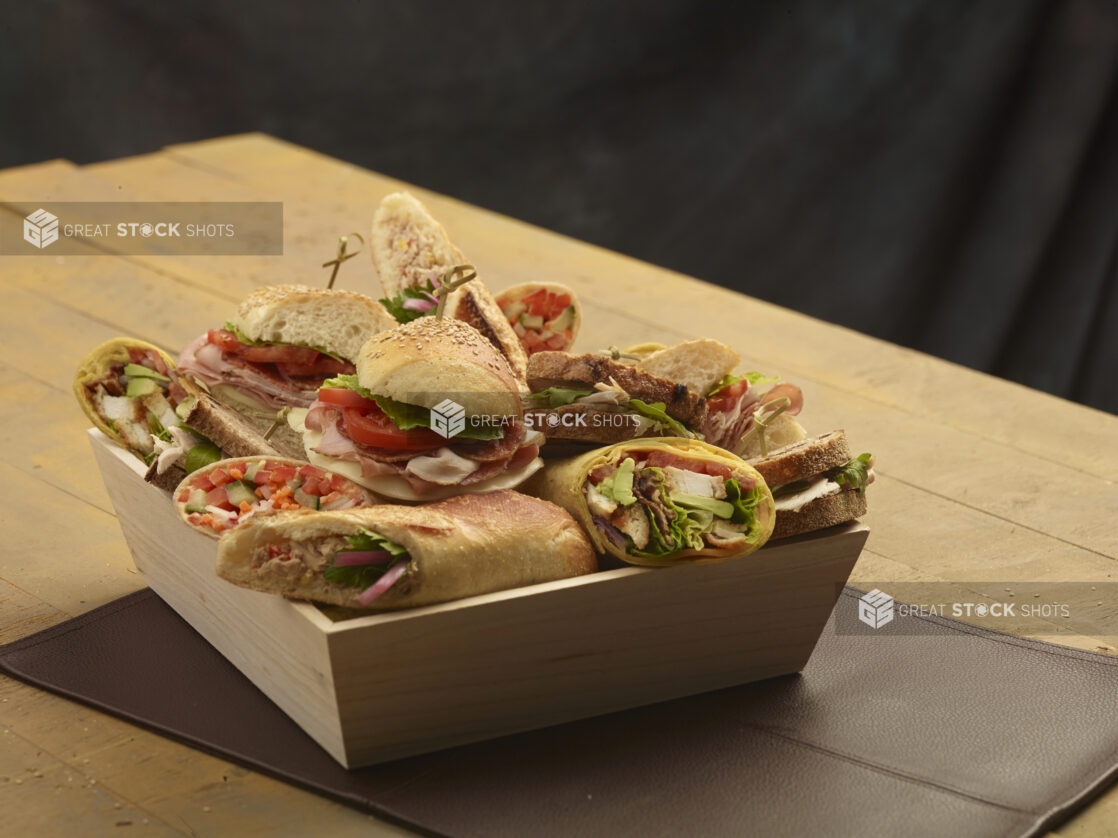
<point>365,560</point>
<point>658,504</point>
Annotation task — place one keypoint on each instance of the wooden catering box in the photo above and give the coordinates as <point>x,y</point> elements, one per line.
<point>385,686</point>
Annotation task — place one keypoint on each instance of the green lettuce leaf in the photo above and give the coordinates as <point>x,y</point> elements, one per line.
<point>395,305</point>
<point>201,455</point>
<point>407,417</point>
<point>557,396</point>
<point>745,507</point>
<point>854,474</point>
<point>247,341</point>
<point>362,576</point>
<point>656,411</point>
<point>754,378</point>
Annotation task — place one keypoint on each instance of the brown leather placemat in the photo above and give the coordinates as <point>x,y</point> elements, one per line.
<point>953,731</point>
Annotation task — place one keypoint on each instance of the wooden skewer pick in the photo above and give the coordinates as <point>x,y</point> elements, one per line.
<point>342,256</point>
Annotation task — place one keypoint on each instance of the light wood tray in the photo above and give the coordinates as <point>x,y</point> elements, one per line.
<point>386,686</point>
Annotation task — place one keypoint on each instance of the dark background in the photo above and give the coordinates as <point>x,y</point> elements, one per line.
<point>940,173</point>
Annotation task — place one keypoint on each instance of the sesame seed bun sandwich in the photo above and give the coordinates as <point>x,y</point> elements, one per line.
<point>433,410</point>
<point>282,343</point>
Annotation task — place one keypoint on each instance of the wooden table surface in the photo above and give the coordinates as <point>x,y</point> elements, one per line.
<point>980,480</point>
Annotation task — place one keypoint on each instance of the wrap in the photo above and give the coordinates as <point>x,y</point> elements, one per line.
<point>463,546</point>
<point>97,367</point>
<point>219,496</point>
<point>544,315</point>
<point>616,531</point>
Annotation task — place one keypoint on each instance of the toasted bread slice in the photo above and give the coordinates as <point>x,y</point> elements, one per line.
<point>803,460</point>
<point>562,369</point>
<point>233,433</point>
<point>820,513</point>
<point>697,364</point>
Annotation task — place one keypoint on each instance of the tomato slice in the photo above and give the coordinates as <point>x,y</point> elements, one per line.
<point>557,304</point>
<point>223,339</point>
<point>661,459</point>
<point>726,399</point>
<point>377,430</point>
<point>294,355</point>
<point>345,398</point>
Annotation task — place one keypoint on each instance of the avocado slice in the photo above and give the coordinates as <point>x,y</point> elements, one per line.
<point>140,371</point>
<point>139,387</point>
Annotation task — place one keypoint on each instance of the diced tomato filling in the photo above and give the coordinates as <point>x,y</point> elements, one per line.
<point>273,481</point>
<point>289,360</point>
<point>547,305</point>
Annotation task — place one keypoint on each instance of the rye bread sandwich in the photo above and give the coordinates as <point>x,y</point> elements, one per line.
<point>593,399</point>
<point>816,483</point>
<point>734,399</point>
<point>433,410</point>
<point>411,251</point>
<point>392,557</point>
<point>282,343</point>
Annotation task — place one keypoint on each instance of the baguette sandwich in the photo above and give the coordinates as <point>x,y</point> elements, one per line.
<point>284,341</point>
<point>411,250</point>
<point>432,411</point>
<point>393,557</point>
<point>662,501</point>
<point>816,483</point>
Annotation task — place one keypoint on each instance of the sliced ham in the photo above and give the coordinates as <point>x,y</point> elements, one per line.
<point>443,468</point>
<point>262,382</point>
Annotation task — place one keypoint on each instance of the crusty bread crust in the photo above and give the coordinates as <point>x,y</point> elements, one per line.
<point>820,513</point>
<point>562,369</point>
<point>463,546</point>
<point>331,319</point>
<point>803,460</point>
<point>697,364</point>
<point>476,306</point>
<point>428,360</point>
<point>409,246</point>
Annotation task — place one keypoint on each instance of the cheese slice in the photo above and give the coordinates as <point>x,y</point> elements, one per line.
<point>394,486</point>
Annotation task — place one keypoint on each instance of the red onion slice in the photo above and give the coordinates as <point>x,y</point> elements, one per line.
<point>349,558</point>
<point>418,304</point>
<point>384,583</point>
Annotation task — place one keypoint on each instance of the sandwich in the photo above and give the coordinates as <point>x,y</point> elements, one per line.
<point>131,392</point>
<point>283,342</point>
<point>392,557</point>
<point>224,494</point>
<point>733,400</point>
<point>662,501</point>
<point>686,390</point>
<point>433,410</point>
<point>816,483</point>
<point>594,399</point>
<point>544,315</point>
<point>411,250</point>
